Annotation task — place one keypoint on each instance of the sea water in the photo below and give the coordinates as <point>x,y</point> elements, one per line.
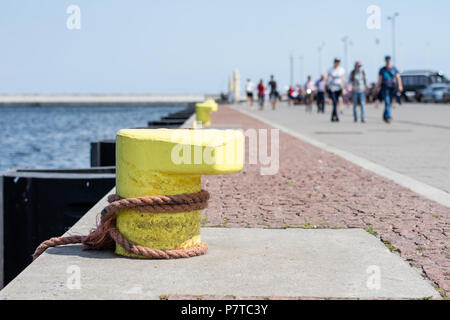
<point>60,137</point>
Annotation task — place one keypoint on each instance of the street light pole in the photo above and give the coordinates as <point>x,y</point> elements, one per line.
<point>291,59</point>
<point>301,68</point>
<point>392,19</point>
<point>345,40</point>
<point>320,49</point>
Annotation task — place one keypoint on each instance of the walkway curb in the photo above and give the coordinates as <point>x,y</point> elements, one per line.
<point>421,188</point>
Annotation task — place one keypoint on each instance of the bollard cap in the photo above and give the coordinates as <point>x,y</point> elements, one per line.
<point>209,104</point>
<point>181,151</point>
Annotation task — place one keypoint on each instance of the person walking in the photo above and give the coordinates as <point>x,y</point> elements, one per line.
<point>249,88</point>
<point>273,93</point>
<point>336,86</point>
<point>389,81</point>
<point>290,95</point>
<point>373,94</point>
<point>309,96</point>
<point>320,86</point>
<point>261,93</point>
<point>358,85</point>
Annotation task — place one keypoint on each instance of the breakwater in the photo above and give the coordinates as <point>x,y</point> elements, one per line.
<point>95,100</point>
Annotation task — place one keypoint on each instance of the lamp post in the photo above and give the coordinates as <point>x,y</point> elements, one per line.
<point>320,49</point>
<point>301,68</point>
<point>346,44</point>
<point>427,46</point>
<point>291,62</point>
<point>392,19</point>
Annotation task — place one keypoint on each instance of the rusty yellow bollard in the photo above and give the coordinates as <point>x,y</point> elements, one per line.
<point>203,111</point>
<point>169,162</point>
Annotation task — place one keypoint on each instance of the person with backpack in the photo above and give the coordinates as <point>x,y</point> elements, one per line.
<point>358,86</point>
<point>390,82</point>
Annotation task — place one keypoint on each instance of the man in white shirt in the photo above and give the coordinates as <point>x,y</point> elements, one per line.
<point>249,88</point>
<point>336,86</point>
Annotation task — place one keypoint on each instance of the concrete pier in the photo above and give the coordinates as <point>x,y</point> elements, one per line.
<point>240,262</point>
<point>265,256</point>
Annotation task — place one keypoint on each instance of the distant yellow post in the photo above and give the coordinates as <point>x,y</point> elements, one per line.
<point>169,162</point>
<point>203,111</point>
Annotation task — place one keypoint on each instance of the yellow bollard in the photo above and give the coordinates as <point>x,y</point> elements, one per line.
<point>213,104</point>
<point>203,111</point>
<point>169,162</point>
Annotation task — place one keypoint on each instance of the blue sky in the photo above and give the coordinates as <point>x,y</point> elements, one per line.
<point>192,46</point>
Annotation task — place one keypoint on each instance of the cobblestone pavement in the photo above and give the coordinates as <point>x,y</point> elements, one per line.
<point>316,189</point>
<point>416,143</point>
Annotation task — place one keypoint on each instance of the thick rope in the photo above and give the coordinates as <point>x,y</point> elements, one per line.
<point>106,234</point>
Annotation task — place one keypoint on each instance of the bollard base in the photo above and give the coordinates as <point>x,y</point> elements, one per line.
<point>164,231</point>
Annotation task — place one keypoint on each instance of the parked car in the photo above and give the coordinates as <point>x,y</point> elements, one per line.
<point>415,81</point>
<point>434,92</point>
<point>446,96</point>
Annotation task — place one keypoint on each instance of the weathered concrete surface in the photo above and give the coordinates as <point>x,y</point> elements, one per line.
<point>318,189</point>
<point>240,261</point>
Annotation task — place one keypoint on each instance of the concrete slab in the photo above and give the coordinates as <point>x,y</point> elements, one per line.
<point>242,262</point>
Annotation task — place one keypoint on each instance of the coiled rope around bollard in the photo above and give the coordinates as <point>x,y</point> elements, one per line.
<point>106,234</point>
